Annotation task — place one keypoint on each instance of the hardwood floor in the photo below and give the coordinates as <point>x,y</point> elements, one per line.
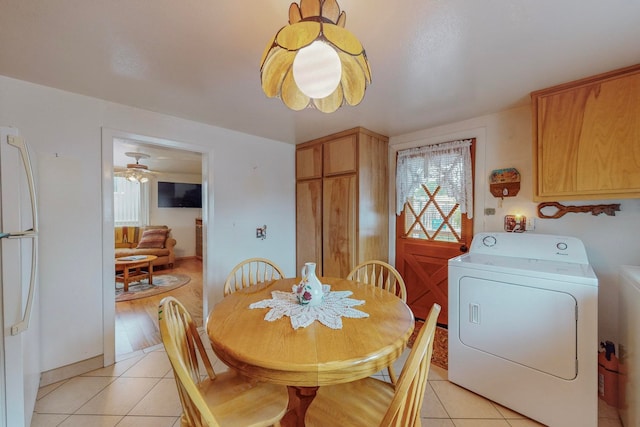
<point>137,320</point>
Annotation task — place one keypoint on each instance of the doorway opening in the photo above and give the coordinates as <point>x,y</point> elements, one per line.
<point>131,323</point>
<point>432,226</point>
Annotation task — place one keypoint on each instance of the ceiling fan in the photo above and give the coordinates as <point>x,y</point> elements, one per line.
<point>135,172</point>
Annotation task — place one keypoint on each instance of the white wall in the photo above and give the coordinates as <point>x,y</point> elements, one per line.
<point>505,141</point>
<point>252,183</point>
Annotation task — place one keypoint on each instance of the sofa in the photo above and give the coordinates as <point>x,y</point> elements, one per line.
<point>150,240</point>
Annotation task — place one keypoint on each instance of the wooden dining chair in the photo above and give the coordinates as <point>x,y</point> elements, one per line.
<point>250,272</point>
<point>371,402</point>
<point>213,400</point>
<point>381,275</point>
<point>384,276</point>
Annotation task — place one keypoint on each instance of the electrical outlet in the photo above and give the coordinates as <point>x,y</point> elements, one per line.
<point>531,224</point>
<point>515,223</point>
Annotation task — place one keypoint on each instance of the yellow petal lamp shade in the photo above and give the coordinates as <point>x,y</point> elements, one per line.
<point>314,61</point>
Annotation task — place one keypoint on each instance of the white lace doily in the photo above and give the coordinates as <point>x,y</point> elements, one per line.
<point>335,305</point>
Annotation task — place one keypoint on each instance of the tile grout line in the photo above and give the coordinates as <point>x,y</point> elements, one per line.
<point>444,408</point>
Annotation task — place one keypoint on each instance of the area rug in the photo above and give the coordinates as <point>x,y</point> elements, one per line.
<point>142,289</point>
<point>440,344</point>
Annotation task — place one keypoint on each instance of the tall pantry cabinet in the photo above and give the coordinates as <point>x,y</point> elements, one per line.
<point>342,201</point>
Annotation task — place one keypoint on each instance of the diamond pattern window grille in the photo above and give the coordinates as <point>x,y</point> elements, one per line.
<point>432,215</point>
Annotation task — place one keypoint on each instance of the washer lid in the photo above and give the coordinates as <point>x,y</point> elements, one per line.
<point>529,267</point>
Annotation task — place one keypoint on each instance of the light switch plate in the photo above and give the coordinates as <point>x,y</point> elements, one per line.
<point>261,232</point>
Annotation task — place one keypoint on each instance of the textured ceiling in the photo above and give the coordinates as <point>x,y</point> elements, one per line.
<point>433,61</point>
<point>161,159</point>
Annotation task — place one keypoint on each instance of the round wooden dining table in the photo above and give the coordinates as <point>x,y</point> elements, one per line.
<point>306,358</point>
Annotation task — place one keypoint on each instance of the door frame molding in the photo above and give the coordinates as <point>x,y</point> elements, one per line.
<point>108,272</point>
<point>431,137</point>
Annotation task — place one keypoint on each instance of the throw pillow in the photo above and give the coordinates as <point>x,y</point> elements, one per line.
<point>153,239</point>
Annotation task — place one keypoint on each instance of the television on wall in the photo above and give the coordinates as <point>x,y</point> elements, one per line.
<point>179,195</point>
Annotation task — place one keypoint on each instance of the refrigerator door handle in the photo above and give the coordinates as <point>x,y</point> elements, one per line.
<point>19,143</point>
<point>23,325</point>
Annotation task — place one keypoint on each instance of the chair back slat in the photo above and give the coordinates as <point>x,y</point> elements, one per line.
<point>404,410</point>
<point>251,272</point>
<point>381,275</point>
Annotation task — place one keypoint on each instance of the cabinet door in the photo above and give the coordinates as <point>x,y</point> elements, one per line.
<point>373,199</point>
<point>339,225</point>
<point>309,162</point>
<point>588,140</point>
<point>309,223</point>
<point>340,155</point>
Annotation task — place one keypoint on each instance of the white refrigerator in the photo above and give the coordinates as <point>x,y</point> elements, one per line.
<point>19,348</point>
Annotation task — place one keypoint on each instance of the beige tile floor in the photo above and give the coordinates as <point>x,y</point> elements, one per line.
<point>139,390</point>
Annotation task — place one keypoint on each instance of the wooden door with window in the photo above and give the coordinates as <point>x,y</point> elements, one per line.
<point>430,230</point>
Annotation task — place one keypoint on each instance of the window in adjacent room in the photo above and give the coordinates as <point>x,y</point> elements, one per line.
<point>130,202</point>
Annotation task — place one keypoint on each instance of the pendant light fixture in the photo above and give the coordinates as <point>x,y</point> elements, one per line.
<point>314,61</point>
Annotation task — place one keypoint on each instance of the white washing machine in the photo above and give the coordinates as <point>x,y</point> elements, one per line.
<point>523,328</point>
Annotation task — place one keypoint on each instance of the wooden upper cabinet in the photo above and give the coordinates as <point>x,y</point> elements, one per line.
<point>309,162</point>
<point>586,137</point>
<point>340,155</point>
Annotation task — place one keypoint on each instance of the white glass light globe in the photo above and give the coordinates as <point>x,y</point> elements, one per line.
<point>317,70</point>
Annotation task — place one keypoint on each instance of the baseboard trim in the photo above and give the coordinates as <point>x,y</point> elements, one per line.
<point>72,370</point>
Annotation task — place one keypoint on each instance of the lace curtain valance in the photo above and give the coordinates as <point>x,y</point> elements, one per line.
<point>448,164</point>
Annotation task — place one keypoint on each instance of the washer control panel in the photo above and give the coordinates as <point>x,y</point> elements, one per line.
<point>489,241</point>
<point>528,245</point>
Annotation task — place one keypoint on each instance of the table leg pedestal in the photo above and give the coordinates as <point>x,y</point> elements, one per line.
<point>150,272</point>
<point>125,275</point>
<point>299,400</point>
